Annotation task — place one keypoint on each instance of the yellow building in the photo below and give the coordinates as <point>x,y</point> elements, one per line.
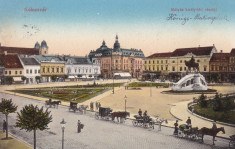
<point>51,65</point>
<point>173,63</point>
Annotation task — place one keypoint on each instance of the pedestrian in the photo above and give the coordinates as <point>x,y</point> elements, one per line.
<point>4,126</point>
<point>140,112</point>
<point>189,122</point>
<point>176,127</point>
<point>91,106</point>
<point>80,126</point>
<point>214,125</point>
<point>145,113</point>
<point>99,105</point>
<point>96,105</point>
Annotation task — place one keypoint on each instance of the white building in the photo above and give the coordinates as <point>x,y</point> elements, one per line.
<point>80,67</point>
<point>31,68</point>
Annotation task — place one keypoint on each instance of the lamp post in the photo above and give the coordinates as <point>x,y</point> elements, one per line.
<point>63,127</point>
<point>125,102</point>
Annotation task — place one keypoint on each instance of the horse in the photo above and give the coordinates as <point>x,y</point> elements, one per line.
<point>160,121</point>
<point>211,132</point>
<point>55,103</point>
<point>193,64</point>
<point>119,115</point>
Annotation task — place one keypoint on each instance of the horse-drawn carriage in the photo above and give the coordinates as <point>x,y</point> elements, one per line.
<point>186,131</point>
<point>104,113</point>
<point>51,103</point>
<point>144,121</point>
<point>232,141</point>
<point>74,108</point>
<point>107,114</point>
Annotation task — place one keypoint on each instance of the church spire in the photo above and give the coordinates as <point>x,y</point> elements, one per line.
<point>116,45</point>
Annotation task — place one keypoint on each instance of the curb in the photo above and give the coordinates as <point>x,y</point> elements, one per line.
<point>210,120</point>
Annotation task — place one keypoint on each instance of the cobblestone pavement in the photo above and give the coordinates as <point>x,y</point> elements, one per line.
<point>99,134</point>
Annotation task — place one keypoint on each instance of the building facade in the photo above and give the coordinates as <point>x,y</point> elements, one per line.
<point>18,50</point>
<point>31,69</point>
<point>118,60</point>
<point>172,64</point>
<point>12,67</point>
<point>52,68</point>
<point>219,67</point>
<point>81,67</point>
<point>232,65</point>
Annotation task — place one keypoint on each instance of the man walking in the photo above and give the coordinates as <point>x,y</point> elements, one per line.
<point>80,126</point>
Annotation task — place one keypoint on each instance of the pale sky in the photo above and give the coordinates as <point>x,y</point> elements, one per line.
<point>77,26</point>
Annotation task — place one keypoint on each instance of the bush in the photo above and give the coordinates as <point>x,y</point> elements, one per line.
<point>202,101</point>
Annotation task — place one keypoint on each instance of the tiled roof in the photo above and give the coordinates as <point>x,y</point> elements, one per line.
<point>77,59</point>
<point>168,54</point>
<point>10,61</point>
<point>220,57</point>
<point>232,53</point>
<point>196,51</point>
<point>48,58</point>
<point>29,61</point>
<point>17,50</point>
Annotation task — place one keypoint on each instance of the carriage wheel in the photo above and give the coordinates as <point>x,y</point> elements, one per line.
<point>135,123</point>
<point>151,125</point>
<point>180,134</point>
<point>145,125</point>
<point>96,116</point>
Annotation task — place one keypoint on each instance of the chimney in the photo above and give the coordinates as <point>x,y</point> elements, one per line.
<point>5,52</point>
<point>221,51</point>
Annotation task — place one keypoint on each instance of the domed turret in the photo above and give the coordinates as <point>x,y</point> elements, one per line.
<point>37,45</point>
<point>44,44</point>
<point>116,45</point>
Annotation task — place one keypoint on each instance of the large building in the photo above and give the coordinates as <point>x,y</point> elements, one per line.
<point>232,65</point>
<point>173,64</point>
<point>118,60</point>
<point>18,50</point>
<point>219,67</point>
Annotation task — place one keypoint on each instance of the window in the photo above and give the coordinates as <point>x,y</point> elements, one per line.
<point>157,62</point>
<point>173,68</point>
<point>180,61</point>
<point>166,61</point>
<point>31,71</point>
<point>48,69</point>
<point>153,68</point>
<point>53,70</point>
<point>35,71</point>
<point>198,60</point>
<point>116,61</point>
<point>204,68</point>
<point>161,61</point>
<point>157,68</point>
<point>57,69</point>
<point>38,70</point>
<point>27,71</point>
<point>166,68</point>
<point>16,72</point>
<point>62,70</point>
<point>173,61</point>
<point>220,68</point>
<point>181,69</point>
<point>149,68</point>
<point>185,68</point>
<point>5,72</point>
<point>43,70</point>
<point>212,68</point>
<point>149,62</point>
<point>153,62</point>
<point>9,72</point>
<point>20,72</point>
<point>145,62</point>
<point>161,67</point>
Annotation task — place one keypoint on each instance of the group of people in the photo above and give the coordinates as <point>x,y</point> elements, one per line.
<point>97,105</point>
<point>140,113</point>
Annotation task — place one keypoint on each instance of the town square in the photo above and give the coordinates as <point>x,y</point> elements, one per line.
<point>117,74</point>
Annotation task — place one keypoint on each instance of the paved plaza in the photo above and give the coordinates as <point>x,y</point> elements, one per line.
<point>106,134</point>
<point>99,134</point>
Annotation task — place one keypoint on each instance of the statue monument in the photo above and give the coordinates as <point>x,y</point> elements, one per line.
<point>192,81</point>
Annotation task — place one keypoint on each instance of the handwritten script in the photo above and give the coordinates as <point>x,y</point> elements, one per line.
<point>178,14</point>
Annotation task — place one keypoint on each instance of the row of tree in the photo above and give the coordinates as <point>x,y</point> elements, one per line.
<point>30,118</point>
<point>218,103</point>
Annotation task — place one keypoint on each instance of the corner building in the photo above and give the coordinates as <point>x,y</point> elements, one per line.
<point>118,60</point>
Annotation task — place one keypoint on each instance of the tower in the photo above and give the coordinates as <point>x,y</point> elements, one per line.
<point>43,48</point>
<point>116,45</point>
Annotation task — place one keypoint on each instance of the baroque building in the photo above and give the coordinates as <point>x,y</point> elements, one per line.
<point>118,60</point>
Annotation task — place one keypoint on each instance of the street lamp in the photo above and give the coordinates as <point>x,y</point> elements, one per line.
<point>125,102</point>
<point>63,127</point>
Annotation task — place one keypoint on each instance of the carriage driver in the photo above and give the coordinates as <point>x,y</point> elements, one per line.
<point>189,122</point>
<point>140,112</point>
<point>145,113</point>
